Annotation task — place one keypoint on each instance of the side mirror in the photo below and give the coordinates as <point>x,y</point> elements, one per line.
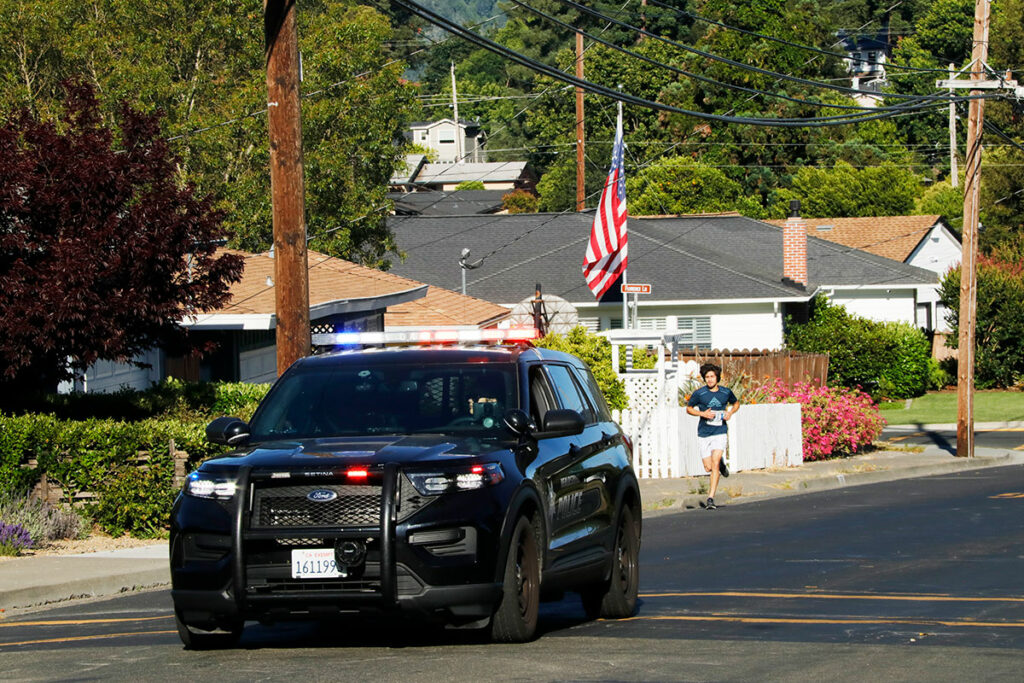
<point>519,423</point>
<point>229,431</point>
<point>563,422</point>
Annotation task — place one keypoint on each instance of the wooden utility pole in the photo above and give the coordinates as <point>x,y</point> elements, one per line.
<point>954,173</point>
<point>284,122</point>
<point>968,261</point>
<point>581,196</point>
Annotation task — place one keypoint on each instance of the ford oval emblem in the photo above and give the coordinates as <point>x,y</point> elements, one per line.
<point>321,495</point>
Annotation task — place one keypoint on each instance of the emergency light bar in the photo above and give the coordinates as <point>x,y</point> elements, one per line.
<point>513,334</point>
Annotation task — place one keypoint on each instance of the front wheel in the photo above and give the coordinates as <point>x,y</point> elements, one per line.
<point>515,619</point>
<point>197,639</point>
<point>616,598</point>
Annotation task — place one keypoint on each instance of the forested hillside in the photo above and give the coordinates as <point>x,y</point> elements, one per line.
<point>372,67</point>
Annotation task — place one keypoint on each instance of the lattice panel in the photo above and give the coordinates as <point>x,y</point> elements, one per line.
<point>648,391</point>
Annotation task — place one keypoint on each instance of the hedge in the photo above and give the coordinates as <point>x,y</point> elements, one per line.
<point>101,454</point>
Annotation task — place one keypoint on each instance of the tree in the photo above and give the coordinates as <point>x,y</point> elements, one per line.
<point>999,320</point>
<point>102,252</point>
<point>844,191</point>
<point>677,185</point>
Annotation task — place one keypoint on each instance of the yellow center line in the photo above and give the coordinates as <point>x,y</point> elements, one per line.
<point>78,622</point>
<point>770,620</point>
<point>95,637</point>
<point>829,596</point>
<point>1006,429</point>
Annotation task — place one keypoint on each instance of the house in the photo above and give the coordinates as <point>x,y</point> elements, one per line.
<point>721,279</point>
<point>453,143</point>
<point>420,174</point>
<point>921,241</point>
<point>454,203</point>
<point>343,296</point>
<point>866,57</point>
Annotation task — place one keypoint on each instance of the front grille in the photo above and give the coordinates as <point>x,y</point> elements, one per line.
<point>288,506</point>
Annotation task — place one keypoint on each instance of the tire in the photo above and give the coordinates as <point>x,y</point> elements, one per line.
<point>198,639</point>
<point>616,598</point>
<point>515,618</point>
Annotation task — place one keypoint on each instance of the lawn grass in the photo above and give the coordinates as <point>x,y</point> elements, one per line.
<point>941,407</point>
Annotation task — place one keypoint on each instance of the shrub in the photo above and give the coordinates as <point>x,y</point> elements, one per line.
<point>13,539</point>
<point>596,352</point>
<point>520,201</point>
<point>471,185</point>
<point>836,422</point>
<point>43,521</point>
<point>888,360</point>
<point>136,501</point>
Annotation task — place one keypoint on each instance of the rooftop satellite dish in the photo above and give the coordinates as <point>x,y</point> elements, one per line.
<point>558,315</point>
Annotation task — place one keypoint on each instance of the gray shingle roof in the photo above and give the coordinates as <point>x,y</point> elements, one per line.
<point>454,203</point>
<point>690,258</point>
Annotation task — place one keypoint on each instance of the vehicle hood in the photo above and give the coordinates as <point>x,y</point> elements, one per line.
<point>358,452</point>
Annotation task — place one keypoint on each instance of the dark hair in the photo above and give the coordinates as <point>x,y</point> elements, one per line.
<point>709,367</point>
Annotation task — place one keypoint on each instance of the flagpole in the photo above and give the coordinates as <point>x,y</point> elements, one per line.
<point>625,297</point>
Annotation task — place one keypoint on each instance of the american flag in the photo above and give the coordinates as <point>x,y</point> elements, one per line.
<point>606,254</point>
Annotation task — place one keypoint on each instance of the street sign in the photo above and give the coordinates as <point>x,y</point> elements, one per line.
<point>632,288</point>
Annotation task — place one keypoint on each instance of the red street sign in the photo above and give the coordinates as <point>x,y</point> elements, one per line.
<point>635,289</point>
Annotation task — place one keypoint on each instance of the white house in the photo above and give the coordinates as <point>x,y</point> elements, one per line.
<point>453,143</point>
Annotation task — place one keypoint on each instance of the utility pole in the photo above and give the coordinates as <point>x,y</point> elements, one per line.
<point>455,112</point>
<point>953,171</point>
<point>284,122</point>
<point>580,169</point>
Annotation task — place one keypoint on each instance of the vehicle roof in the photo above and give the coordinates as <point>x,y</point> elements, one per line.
<point>437,354</point>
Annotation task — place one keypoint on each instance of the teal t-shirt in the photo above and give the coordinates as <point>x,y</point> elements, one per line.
<point>705,399</point>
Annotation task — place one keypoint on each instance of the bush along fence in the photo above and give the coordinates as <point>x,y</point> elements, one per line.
<point>124,474</point>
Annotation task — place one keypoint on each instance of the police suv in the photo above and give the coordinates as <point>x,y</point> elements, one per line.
<point>463,481</point>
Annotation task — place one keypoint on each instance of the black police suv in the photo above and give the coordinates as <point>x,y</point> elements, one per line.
<point>464,483</point>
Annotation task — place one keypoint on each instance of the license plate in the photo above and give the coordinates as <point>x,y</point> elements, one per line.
<point>315,563</point>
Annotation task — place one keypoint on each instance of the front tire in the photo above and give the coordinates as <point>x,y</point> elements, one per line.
<point>515,619</point>
<point>197,639</point>
<point>616,599</point>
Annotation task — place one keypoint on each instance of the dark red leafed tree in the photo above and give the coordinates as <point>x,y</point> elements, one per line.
<point>102,251</point>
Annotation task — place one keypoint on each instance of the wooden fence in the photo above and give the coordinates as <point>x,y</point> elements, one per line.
<point>789,366</point>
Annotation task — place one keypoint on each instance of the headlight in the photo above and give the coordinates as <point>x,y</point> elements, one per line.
<point>206,485</point>
<point>457,479</point>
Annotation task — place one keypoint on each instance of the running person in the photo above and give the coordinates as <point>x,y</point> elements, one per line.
<point>714,405</point>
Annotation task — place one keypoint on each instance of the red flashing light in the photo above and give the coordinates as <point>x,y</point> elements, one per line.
<point>477,469</point>
<point>357,474</point>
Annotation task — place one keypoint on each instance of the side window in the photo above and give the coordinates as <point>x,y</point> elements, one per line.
<point>593,392</point>
<point>542,399</point>
<point>570,393</point>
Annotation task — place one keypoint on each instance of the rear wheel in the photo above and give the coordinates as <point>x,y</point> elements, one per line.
<point>197,639</point>
<point>515,619</point>
<point>616,598</point>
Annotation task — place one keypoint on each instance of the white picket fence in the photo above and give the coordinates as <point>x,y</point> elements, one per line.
<point>665,439</point>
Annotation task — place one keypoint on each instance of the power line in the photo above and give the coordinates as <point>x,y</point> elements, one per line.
<point>639,101</point>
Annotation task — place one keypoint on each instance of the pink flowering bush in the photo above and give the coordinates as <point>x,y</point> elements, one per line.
<point>836,421</point>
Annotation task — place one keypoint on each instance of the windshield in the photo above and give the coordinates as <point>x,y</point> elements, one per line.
<point>368,399</point>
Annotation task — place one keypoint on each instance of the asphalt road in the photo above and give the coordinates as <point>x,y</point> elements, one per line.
<point>909,580</point>
<point>1006,438</point>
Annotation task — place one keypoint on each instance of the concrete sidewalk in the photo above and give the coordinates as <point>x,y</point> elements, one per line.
<point>33,581</point>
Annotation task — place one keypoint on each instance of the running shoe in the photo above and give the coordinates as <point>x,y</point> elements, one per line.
<point>723,468</point>
<point>710,504</point>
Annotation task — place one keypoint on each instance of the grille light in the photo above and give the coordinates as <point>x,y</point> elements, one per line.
<point>205,485</point>
<point>458,479</point>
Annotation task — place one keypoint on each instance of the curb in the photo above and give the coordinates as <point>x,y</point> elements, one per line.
<point>832,481</point>
<point>89,587</point>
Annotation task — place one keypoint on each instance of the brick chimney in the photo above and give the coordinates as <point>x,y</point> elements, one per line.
<point>794,246</point>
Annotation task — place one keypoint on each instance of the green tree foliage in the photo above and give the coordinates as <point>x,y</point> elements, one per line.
<point>999,323</point>
<point>677,185</point>
<point>470,185</point>
<point>844,191</point>
<point>203,66</point>
<point>596,352</point>
<point>888,360</point>
<point>945,200</point>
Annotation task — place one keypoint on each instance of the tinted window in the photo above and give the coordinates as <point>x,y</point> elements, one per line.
<point>388,399</point>
<point>593,391</point>
<point>569,393</point>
